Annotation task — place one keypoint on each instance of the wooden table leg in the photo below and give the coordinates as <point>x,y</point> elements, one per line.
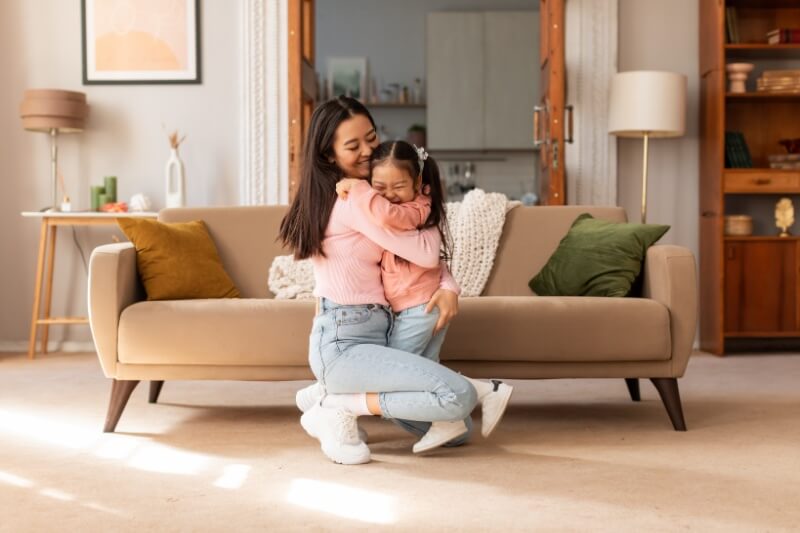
<point>48,291</point>
<point>37,290</point>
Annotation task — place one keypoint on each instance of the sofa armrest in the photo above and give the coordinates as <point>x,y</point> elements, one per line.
<point>670,277</point>
<point>113,286</point>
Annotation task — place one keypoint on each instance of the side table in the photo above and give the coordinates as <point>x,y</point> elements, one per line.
<point>50,221</point>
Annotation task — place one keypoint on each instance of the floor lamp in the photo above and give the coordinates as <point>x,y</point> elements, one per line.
<point>647,104</point>
<point>53,111</point>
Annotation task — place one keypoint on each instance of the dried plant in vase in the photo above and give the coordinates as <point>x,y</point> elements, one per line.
<point>175,173</point>
<point>784,215</point>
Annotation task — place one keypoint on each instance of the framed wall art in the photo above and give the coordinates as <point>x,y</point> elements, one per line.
<point>146,41</point>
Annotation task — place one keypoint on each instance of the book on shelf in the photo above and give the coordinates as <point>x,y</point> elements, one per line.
<point>781,73</point>
<point>731,25</point>
<point>783,158</point>
<point>783,36</point>
<point>791,165</point>
<point>737,155</point>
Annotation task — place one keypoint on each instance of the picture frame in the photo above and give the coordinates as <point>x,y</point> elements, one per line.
<point>145,42</point>
<point>347,76</point>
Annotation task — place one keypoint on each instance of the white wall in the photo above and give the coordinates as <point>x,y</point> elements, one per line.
<point>661,35</point>
<point>40,47</point>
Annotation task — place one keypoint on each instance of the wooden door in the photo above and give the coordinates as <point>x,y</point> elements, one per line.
<point>760,287</point>
<point>548,117</point>
<point>302,83</point>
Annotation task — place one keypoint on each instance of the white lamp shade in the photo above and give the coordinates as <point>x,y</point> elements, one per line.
<point>647,101</point>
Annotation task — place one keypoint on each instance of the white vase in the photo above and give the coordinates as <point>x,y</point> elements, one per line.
<point>176,181</point>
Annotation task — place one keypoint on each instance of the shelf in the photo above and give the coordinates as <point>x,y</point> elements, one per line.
<point>765,238</point>
<point>762,97</point>
<point>763,51</point>
<point>395,105</point>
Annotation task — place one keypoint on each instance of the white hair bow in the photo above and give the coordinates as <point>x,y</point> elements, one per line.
<point>422,155</point>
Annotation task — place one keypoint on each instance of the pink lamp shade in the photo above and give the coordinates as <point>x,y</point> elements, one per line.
<point>47,109</point>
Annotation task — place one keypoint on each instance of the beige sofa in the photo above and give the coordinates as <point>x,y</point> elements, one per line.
<point>506,333</point>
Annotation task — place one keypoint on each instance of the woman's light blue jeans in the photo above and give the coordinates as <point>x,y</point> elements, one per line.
<point>348,353</point>
<point>412,332</point>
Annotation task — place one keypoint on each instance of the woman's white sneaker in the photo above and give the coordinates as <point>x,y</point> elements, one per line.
<point>493,406</point>
<point>337,432</point>
<point>438,434</point>
<point>307,397</point>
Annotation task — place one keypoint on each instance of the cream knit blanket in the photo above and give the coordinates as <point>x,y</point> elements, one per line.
<point>476,224</point>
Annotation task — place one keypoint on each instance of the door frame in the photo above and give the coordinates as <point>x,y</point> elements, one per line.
<point>264,155</point>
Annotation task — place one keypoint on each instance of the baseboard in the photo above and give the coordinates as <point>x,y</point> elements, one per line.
<point>52,346</point>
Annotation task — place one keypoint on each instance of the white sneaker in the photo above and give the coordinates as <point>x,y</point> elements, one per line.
<point>337,433</point>
<point>438,434</point>
<point>493,406</point>
<point>308,396</point>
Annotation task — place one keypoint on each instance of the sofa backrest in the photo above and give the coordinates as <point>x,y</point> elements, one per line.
<point>530,236</point>
<point>245,237</point>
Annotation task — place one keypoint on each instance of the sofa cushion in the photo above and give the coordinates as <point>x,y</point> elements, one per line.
<point>558,329</point>
<point>216,332</point>
<point>597,258</point>
<point>177,261</point>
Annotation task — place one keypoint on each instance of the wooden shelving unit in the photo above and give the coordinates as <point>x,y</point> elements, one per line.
<point>750,286</point>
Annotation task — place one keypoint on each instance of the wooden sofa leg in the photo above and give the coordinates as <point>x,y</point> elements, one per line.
<point>155,390</point>
<point>633,388</point>
<point>120,392</point>
<point>668,390</point>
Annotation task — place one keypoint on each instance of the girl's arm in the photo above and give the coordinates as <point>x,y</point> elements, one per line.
<point>405,216</point>
<point>446,280</point>
<point>418,247</point>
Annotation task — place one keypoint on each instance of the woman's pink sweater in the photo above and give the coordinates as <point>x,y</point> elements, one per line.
<point>350,272</point>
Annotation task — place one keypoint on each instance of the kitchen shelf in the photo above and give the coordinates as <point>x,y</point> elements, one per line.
<point>395,105</point>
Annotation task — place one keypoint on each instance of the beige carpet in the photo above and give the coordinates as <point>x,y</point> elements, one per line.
<point>570,455</point>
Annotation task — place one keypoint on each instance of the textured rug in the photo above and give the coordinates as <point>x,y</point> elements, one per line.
<point>569,455</point>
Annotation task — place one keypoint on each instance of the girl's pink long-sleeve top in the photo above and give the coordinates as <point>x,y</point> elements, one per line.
<point>350,272</point>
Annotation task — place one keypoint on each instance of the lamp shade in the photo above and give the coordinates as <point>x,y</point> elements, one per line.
<point>647,101</point>
<point>47,109</point>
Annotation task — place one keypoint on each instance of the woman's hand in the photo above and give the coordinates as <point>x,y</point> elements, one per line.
<point>447,302</point>
<point>344,185</point>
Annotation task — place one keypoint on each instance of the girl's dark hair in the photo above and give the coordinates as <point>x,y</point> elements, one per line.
<point>303,227</point>
<point>403,155</point>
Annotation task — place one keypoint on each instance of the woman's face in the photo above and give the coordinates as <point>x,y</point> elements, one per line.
<point>393,183</point>
<point>353,143</point>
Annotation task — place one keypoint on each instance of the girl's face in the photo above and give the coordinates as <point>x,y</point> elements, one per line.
<point>353,143</point>
<point>394,184</point>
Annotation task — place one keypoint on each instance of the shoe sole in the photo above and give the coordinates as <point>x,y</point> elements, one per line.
<point>342,459</point>
<point>506,391</point>
<point>435,444</point>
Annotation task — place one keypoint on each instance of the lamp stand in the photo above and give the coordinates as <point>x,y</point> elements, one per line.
<point>54,167</point>
<point>644,178</point>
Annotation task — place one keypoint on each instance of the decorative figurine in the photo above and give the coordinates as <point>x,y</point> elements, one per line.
<point>784,215</point>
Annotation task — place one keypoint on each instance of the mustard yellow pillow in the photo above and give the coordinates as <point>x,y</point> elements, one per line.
<point>177,261</point>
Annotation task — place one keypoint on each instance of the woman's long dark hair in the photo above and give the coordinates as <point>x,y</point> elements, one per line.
<point>404,156</point>
<point>303,227</point>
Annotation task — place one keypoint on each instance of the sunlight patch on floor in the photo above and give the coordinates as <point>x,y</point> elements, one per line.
<point>165,460</point>
<point>344,501</point>
<point>233,477</point>
<point>11,479</point>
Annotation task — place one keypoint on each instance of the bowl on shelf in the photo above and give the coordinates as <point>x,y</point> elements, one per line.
<point>738,225</point>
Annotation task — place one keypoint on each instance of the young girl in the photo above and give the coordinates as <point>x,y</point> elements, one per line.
<point>408,178</point>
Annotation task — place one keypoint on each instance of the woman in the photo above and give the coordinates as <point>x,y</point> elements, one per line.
<point>357,373</point>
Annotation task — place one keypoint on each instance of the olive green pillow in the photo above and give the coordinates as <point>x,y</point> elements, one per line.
<point>596,258</point>
<point>177,261</point>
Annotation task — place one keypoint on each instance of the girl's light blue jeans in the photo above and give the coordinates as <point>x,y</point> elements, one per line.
<point>412,332</point>
<point>348,353</point>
